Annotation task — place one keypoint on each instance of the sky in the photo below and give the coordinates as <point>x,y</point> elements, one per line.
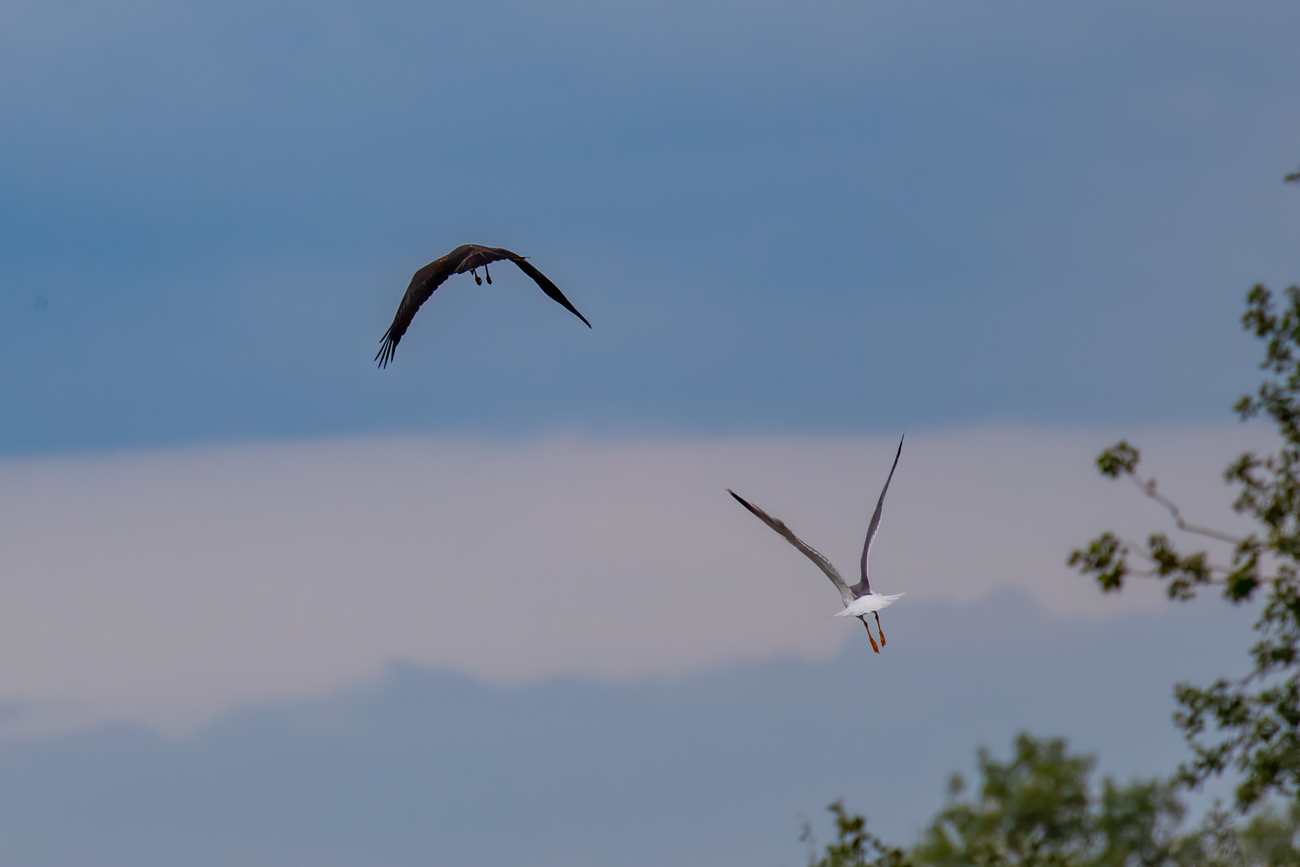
<point>1015,233</point>
<point>852,217</point>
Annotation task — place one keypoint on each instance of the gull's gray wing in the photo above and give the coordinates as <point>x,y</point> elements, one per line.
<point>811,553</point>
<point>864,587</point>
<point>427,279</point>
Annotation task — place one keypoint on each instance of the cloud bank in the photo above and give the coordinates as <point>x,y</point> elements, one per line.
<point>171,587</point>
<point>418,766</point>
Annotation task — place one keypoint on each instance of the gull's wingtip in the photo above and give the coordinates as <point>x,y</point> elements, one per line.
<point>753,510</point>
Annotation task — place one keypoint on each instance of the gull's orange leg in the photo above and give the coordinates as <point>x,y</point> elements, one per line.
<point>869,638</point>
<point>882,632</point>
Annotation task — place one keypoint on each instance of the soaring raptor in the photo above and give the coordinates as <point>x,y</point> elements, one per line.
<point>467,257</point>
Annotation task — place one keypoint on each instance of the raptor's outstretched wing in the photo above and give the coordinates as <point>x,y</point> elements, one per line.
<point>552,291</point>
<point>427,279</point>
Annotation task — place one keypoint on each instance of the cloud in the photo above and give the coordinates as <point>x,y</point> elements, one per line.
<point>420,766</point>
<point>170,587</point>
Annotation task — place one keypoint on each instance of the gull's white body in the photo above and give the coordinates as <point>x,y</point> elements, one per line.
<point>859,600</point>
<point>867,604</point>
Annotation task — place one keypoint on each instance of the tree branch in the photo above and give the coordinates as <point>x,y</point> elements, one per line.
<point>1148,487</point>
<point>1128,546</point>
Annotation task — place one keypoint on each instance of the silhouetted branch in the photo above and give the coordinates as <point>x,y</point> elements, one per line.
<point>1148,487</point>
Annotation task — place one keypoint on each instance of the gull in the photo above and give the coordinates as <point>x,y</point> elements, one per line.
<point>859,600</point>
<point>467,257</point>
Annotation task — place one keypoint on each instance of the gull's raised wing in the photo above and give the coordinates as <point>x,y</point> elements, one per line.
<point>865,586</point>
<point>811,553</point>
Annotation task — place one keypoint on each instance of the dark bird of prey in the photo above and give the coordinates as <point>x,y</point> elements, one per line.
<point>467,257</point>
<point>859,600</point>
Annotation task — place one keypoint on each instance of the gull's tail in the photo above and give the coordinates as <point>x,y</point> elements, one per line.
<point>867,604</point>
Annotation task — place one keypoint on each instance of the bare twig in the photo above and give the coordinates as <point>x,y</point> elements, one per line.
<point>1148,487</point>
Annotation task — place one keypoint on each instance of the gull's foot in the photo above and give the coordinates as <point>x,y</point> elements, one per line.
<point>869,637</point>
<point>487,274</point>
<point>477,278</point>
<point>880,630</point>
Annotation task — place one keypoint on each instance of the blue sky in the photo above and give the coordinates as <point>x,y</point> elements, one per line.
<point>848,217</point>
<point>1015,231</point>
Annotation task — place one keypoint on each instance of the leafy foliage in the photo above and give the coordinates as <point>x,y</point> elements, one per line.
<point>1039,810</point>
<point>1270,839</point>
<point>1255,719</point>
<point>854,845</point>
<point>1273,838</point>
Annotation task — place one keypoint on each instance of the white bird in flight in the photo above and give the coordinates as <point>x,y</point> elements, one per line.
<point>859,600</point>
